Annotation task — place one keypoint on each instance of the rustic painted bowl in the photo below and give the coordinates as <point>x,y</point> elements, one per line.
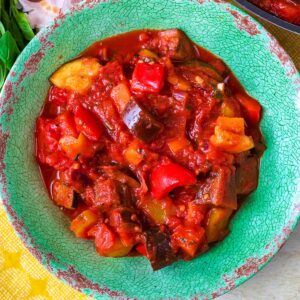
<point>259,228</point>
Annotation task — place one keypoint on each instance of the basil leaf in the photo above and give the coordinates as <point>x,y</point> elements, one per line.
<point>5,19</point>
<point>3,73</point>
<point>10,24</point>
<point>9,50</point>
<point>2,29</point>
<point>17,34</point>
<point>23,23</point>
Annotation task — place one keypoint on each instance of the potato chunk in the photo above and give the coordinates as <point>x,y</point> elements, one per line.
<point>76,75</point>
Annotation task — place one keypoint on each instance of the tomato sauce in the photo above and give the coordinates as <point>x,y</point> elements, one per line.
<point>288,10</point>
<point>148,142</point>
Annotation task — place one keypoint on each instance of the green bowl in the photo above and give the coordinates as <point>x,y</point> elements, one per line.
<point>264,221</point>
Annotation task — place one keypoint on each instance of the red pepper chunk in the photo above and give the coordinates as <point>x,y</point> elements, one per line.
<point>48,152</point>
<point>251,107</point>
<point>66,124</point>
<point>108,243</point>
<point>47,138</point>
<point>141,248</point>
<point>166,177</point>
<point>58,96</point>
<point>87,123</point>
<point>148,78</point>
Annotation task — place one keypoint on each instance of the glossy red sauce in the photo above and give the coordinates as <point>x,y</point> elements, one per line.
<point>127,45</point>
<point>154,174</point>
<point>288,10</point>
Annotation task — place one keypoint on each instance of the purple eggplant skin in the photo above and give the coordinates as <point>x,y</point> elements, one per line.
<point>158,248</point>
<point>76,199</point>
<point>126,194</point>
<point>140,122</point>
<point>246,176</point>
<point>219,188</point>
<point>65,195</point>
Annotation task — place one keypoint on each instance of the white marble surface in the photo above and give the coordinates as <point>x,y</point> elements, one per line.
<point>279,280</point>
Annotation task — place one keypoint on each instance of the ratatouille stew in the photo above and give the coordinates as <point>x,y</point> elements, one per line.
<point>149,143</point>
<point>288,10</point>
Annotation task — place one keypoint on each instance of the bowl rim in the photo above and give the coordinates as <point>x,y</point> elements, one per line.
<point>71,276</point>
<point>269,17</point>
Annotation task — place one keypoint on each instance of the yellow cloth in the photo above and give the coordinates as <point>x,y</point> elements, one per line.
<point>21,275</point>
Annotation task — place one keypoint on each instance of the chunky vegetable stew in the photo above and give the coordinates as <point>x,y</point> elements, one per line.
<point>149,143</point>
<point>288,10</point>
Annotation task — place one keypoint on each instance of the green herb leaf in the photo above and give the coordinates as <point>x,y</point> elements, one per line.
<point>15,31</point>
<point>23,23</point>
<point>8,50</point>
<point>10,25</point>
<point>17,34</point>
<point>2,29</point>
<point>3,73</point>
<point>5,19</point>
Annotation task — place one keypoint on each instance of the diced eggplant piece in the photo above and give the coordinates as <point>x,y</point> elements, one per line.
<point>188,239</point>
<point>126,194</point>
<point>116,174</point>
<point>158,248</point>
<point>219,189</point>
<point>208,69</point>
<point>192,63</point>
<point>140,122</point>
<point>116,188</point>
<point>106,193</point>
<point>259,149</point>
<point>125,219</point>
<point>121,215</point>
<point>125,222</point>
<point>175,44</point>
<point>79,180</point>
<point>246,177</point>
<point>64,195</point>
